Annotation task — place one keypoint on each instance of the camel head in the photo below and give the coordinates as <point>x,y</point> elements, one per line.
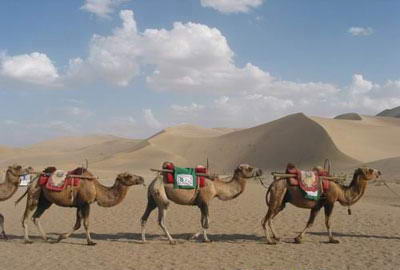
<point>247,171</point>
<point>15,171</point>
<point>364,174</point>
<point>128,179</point>
<point>367,173</point>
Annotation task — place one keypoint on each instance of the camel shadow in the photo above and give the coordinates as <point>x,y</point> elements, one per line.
<point>137,237</point>
<point>357,235</point>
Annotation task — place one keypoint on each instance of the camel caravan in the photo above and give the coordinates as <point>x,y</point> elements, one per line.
<point>79,188</point>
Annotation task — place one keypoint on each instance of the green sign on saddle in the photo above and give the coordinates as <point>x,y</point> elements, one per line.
<point>185,178</point>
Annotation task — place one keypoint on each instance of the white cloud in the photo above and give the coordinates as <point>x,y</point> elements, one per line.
<point>360,31</point>
<point>359,85</point>
<point>196,57</point>
<point>102,8</point>
<point>111,58</point>
<point>232,6</point>
<point>35,68</point>
<point>151,120</point>
<point>192,108</point>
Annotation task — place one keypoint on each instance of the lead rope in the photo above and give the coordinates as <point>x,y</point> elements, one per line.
<point>261,181</point>
<point>394,192</point>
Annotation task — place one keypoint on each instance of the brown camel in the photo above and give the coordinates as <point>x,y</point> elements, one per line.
<point>10,186</point>
<point>281,192</point>
<point>160,193</point>
<point>90,190</point>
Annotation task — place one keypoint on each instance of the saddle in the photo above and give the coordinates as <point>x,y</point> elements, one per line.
<point>57,180</point>
<point>309,181</point>
<point>171,176</point>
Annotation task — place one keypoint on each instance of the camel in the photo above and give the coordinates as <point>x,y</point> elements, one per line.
<point>280,192</point>
<point>160,193</point>
<point>90,190</point>
<point>10,186</point>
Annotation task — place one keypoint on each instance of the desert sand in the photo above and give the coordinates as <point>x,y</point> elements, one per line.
<point>370,238</point>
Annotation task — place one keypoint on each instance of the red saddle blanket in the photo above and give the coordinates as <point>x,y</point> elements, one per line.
<point>46,181</point>
<point>199,169</point>
<point>300,180</point>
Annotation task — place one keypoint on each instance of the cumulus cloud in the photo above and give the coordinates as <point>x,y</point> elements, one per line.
<point>360,31</point>
<point>188,57</point>
<point>151,120</point>
<point>232,6</point>
<point>111,58</point>
<point>35,68</point>
<point>102,8</point>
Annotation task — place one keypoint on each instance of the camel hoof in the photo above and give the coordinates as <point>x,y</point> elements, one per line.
<point>193,237</point>
<point>28,242</point>
<point>91,243</point>
<point>298,240</point>
<point>271,243</point>
<point>60,237</point>
<point>334,241</point>
<point>207,241</point>
<point>172,242</point>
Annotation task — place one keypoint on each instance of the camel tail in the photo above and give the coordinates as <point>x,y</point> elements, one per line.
<point>266,195</point>
<point>20,198</point>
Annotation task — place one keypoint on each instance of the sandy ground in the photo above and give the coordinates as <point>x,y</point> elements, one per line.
<point>370,238</point>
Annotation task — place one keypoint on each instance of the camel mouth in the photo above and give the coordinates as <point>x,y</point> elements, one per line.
<point>139,181</point>
<point>258,172</point>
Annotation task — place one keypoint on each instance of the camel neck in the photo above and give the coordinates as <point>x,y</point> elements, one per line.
<point>231,189</point>
<point>8,187</point>
<point>110,196</point>
<point>354,191</point>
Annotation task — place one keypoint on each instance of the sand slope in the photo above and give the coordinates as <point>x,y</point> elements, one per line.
<point>297,138</point>
<point>370,139</point>
<point>395,112</point>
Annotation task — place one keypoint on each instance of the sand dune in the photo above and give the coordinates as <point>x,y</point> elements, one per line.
<point>297,138</point>
<point>370,139</point>
<point>395,112</point>
<point>69,144</point>
<point>390,168</point>
<point>349,116</point>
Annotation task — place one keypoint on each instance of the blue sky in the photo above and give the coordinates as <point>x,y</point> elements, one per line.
<point>133,67</point>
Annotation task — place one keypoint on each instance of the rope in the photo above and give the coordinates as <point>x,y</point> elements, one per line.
<point>261,181</point>
<point>394,192</point>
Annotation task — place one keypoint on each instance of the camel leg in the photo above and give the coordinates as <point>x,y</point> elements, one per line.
<point>75,228</point>
<point>276,204</point>
<point>162,212</point>
<point>313,214</point>
<point>2,227</point>
<point>274,234</point>
<point>205,221</point>
<point>271,213</point>
<point>31,204</point>
<point>328,212</point>
<point>85,214</point>
<point>43,205</point>
<point>197,234</point>
<point>151,205</point>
